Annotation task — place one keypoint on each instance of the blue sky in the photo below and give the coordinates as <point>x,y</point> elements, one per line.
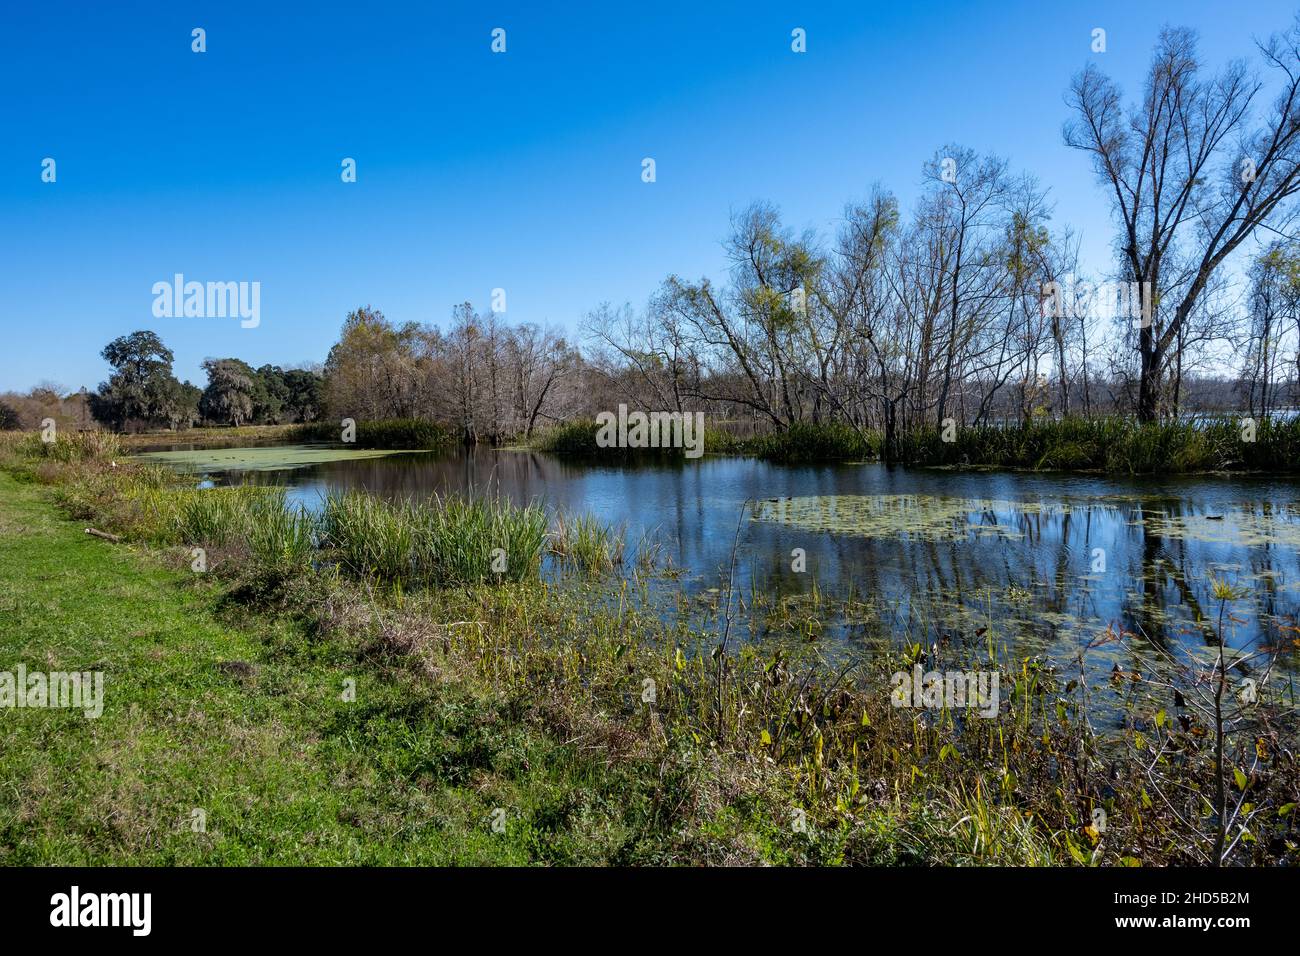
<point>476,170</point>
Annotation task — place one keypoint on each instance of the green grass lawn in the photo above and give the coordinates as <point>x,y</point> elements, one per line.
<point>243,720</point>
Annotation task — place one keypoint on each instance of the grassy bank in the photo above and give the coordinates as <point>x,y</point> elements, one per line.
<point>214,437</point>
<point>396,433</point>
<point>549,720</point>
<point>1106,445</point>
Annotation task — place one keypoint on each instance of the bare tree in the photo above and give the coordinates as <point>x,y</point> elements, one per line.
<point>1188,180</point>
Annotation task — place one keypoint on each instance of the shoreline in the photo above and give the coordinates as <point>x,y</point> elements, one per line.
<point>602,733</point>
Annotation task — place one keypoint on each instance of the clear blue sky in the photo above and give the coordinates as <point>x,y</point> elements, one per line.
<point>475,170</point>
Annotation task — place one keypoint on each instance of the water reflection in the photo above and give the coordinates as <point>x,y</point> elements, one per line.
<point>1051,560</point>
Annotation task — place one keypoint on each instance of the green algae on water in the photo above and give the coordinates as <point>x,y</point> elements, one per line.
<point>266,458</point>
<point>927,517</point>
<point>1247,529</point>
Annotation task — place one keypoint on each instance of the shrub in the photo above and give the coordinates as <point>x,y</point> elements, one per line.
<point>809,442</point>
<point>383,433</point>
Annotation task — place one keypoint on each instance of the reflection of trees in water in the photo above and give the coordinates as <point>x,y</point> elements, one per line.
<point>519,476</point>
<point>930,587</point>
<point>1037,583</point>
<point>1174,573</point>
<point>1029,569</point>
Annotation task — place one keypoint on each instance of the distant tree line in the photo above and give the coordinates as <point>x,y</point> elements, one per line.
<point>143,393</point>
<point>489,380</point>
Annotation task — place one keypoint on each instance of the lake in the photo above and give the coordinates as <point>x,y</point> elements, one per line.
<point>1049,560</point>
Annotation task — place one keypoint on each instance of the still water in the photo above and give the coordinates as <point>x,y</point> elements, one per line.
<point>1047,561</point>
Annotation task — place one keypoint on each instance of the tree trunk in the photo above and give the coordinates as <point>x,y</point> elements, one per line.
<point>1148,409</point>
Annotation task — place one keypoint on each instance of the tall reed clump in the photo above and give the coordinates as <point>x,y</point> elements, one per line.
<point>813,442</point>
<point>403,433</point>
<point>444,541</point>
<point>583,543</point>
<point>1276,446</point>
<point>474,541</point>
<point>281,539</point>
<point>375,538</point>
<point>215,516</point>
<point>578,440</point>
<point>93,445</point>
<point>569,438</point>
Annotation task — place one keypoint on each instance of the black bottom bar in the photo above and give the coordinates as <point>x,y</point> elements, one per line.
<point>335,906</point>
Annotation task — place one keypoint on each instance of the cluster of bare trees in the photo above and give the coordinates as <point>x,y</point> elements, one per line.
<point>26,410</point>
<point>967,307</point>
<point>492,381</point>
<point>1270,373</point>
<point>971,307</point>
<point>890,324</point>
<point>1191,176</point>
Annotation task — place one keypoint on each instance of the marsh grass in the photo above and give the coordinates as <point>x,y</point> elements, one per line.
<point>443,541</point>
<point>219,516</point>
<point>393,433</point>
<point>210,436</point>
<point>471,539</point>
<point>808,442</point>
<point>281,539</point>
<point>575,439</point>
<point>1112,445</point>
<point>374,538</point>
<point>787,729</point>
<point>92,445</point>
<point>585,544</point>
